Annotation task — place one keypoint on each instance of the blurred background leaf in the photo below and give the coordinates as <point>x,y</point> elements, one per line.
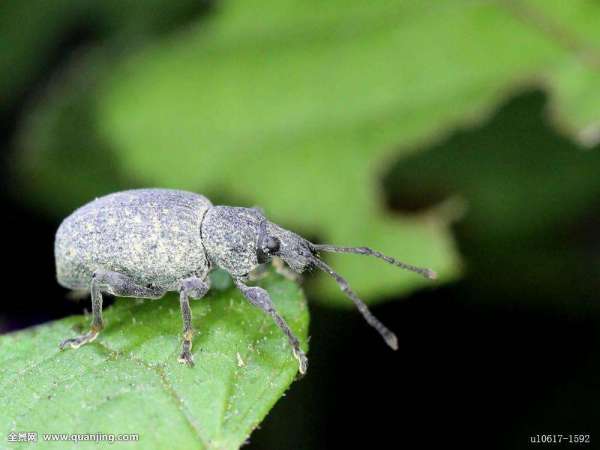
<point>532,197</point>
<point>33,30</point>
<point>266,112</point>
<point>129,380</point>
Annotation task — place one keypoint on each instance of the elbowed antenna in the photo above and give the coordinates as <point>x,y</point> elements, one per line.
<point>427,273</point>
<point>389,337</point>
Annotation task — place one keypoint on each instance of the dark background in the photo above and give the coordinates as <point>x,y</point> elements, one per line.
<point>507,352</point>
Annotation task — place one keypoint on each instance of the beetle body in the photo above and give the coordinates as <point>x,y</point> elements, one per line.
<point>151,235</point>
<point>143,243</point>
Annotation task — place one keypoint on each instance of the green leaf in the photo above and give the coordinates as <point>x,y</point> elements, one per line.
<point>129,381</point>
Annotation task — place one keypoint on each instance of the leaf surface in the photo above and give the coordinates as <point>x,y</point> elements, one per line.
<point>129,381</point>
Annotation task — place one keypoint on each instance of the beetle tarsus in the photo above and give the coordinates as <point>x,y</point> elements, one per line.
<point>78,341</point>
<point>97,322</point>
<point>186,354</point>
<point>302,361</point>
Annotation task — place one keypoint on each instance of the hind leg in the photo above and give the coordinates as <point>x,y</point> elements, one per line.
<point>195,288</point>
<point>112,283</point>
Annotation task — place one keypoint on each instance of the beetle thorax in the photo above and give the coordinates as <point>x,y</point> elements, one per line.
<point>229,235</point>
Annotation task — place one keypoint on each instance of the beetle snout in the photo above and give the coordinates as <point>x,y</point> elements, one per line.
<point>297,256</point>
<point>292,248</point>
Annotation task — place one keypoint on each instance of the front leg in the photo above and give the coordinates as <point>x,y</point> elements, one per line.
<point>260,298</point>
<point>195,288</point>
<point>284,270</point>
<point>263,270</point>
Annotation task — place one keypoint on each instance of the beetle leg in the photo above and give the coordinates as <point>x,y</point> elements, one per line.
<point>263,270</point>
<point>261,299</point>
<point>258,273</point>
<point>97,323</point>
<point>195,288</point>
<point>116,284</point>
<point>284,270</point>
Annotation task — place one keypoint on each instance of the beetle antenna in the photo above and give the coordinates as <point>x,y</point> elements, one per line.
<point>427,273</point>
<point>389,337</point>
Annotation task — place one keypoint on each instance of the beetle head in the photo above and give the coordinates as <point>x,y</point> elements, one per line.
<point>295,251</point>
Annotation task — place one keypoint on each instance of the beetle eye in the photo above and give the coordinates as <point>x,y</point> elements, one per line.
<point>272,244</point>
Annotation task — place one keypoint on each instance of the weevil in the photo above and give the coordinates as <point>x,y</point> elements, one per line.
<point>143,243</point>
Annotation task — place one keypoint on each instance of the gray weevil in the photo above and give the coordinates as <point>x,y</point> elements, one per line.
<point>145,242</point>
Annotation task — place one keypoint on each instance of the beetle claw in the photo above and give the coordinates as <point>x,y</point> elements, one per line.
<point>186,358</point>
